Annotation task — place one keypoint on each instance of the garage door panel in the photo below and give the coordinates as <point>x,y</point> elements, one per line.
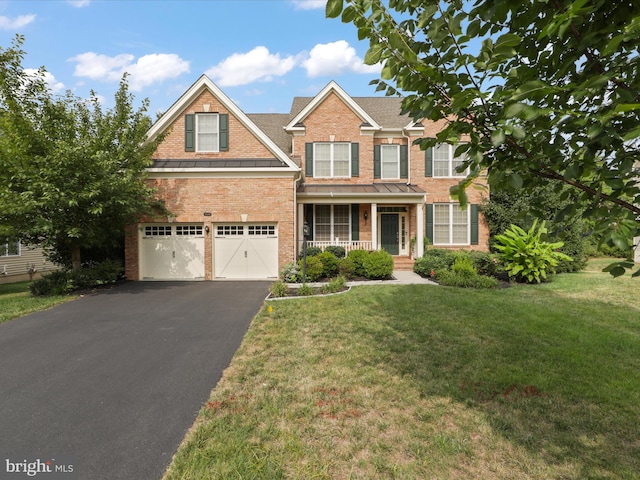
<point>246,251</point>
<point>230,261</point>
<point>264,252</point>
<point>170,252</point>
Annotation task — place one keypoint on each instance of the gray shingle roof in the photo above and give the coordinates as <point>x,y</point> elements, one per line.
<point>272,124</point>
<point>384,110</point>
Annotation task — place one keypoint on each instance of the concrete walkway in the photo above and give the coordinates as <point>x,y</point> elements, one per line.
<point>401,277</point>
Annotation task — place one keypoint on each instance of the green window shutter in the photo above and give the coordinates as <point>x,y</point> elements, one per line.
<point>404,161</point>
<point>355,222</point>
<point>355,161</point>
<point>428,162</point>
<point>190,133</point>
<point>308,217</point>
<point>223,118</point>
<point>376,161</point>
<point>474,224</point>
<point>308,159</point>
<point>429,222</point>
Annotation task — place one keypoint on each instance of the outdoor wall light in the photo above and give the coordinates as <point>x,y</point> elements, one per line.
<point>366,216</point>
<point>206,229</point>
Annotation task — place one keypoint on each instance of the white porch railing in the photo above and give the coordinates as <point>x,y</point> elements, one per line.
<point>348,246</point>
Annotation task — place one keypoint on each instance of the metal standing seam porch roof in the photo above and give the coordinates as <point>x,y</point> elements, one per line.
<point>397,191</point>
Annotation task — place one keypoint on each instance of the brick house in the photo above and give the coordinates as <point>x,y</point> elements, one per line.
<point>240,187</point>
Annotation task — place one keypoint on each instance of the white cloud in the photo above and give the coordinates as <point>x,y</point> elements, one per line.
<point>147,70</point>
<point>78,3</point>
<point>7,23</point>
<point>308,4</point>
<point>49,78</point>
<point>255,65</point>
<point>329,59</point>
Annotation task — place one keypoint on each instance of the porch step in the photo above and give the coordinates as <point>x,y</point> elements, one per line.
<point>403,263</point>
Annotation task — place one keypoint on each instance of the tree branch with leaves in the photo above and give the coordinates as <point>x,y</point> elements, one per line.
<point>72,175</point>
<point>537,89</point>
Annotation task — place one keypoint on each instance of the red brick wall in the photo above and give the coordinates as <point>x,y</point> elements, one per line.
<point>261,199</point>
<point>242,143</point>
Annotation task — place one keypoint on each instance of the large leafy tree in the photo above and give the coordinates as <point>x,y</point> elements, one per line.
<point>541,89</point>
<point>71,174</point>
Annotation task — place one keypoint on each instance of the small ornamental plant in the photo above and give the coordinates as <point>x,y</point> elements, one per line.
<point>526,256</point>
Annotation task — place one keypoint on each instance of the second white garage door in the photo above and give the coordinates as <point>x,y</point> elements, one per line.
<point>245,251</point>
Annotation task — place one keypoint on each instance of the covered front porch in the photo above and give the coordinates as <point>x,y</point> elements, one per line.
<point>379,216</point>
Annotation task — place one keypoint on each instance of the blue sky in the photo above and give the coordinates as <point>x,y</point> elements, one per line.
<point>261,53</point>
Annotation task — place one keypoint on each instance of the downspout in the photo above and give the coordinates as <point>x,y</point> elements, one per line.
<point>408,156</point>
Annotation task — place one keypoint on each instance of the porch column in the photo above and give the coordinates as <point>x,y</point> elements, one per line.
<point>419,230</point>
<point>299,231</point>
<point>374,226</point>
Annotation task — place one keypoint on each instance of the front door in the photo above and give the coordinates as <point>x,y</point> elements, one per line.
<point>389,232</point>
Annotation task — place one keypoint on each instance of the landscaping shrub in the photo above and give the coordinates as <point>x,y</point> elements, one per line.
<point>463,266</point>
<point>434,259</point>
<point>526,256</point>
<point>64,281</point>
<point>486,263</point>
<point>279,289</point>
<point>337,284</point>
<point>290,273</point>
<point>311,252</point>
<point>358,257</point>
<point>54,283</point>
<point>314,268</point>
<point>378,265</point>
<point>330,264</point>
<point>337,250</point>
<point>347,267</point>
<point>305,290</point>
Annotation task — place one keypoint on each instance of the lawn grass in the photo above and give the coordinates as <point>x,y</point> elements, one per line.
<point>421,381</point>
<point>16,301</point>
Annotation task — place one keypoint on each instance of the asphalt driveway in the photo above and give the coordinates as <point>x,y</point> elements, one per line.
<point>114,380</point>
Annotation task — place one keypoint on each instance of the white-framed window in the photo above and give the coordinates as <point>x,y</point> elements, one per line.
<point>445,163</point>
<point>230,230</point>
<point>157,231</point>
<point>390,161</point>
<point>450,224</point>
<point>262,230</point>
<point>10,248</point>
<point>332,222</point>
<point>207,132</point>
<point>184,230</point>
<point>331,160</point>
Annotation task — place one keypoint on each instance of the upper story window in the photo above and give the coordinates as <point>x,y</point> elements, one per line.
<point>206,132</point>
<point>9,248</point>
<point>331,160</point>
<point>390,161</point>
<point>445,163</point>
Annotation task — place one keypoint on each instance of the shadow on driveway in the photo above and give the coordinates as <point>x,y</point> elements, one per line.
<point>116,378</point>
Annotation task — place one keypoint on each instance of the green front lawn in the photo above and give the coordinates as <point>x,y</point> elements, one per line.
<point>16,301</point>
<point>539,382</point>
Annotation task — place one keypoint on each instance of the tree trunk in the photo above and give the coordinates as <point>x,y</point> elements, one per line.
<point>76,261</point>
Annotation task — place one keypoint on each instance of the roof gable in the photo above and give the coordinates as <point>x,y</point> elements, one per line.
<point>297,122</point>
<point>187,98</point>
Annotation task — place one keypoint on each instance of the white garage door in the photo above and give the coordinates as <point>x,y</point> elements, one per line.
<point>172,252</point>
<point>246,251</point>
